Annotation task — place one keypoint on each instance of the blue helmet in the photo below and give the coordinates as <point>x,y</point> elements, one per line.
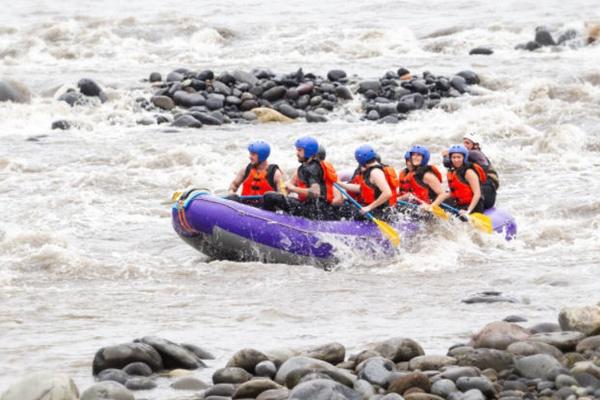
<point>422,150</point>
<point>309,144</point>
<point>407,156</point>
<point>364,154</point>
<point>459,148</point>
<point>261,148</point>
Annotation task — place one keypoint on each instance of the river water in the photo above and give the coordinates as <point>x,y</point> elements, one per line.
<point>88,257</point>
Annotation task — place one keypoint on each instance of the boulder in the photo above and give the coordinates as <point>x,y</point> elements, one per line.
<point>107,391</point>
<point>42,386</point>
<point>323,389</point>
<point>333,353</point>
<point>582,319</point>
<point>499,335</point>
<point>336,75</point>
<point>186,121</point>
<point>274,394</point>
<point>485,51</point>
<point>539,366</point>
<point>231,375</point>
<point>120,355</point>
<point>254,387</point>
<point>376,370</point>
<point>113,374</point>
<point>589,344</point>
<point>398,349</point>
<point>247,359</point>
<point>164,102</point>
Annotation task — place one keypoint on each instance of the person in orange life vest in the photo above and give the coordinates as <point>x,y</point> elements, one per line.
<point>258,177</point>
<point>404,177</point>
<point>424,181</point>
<point>312,186</point>
<point>376,194</point>
<point>464,182</point>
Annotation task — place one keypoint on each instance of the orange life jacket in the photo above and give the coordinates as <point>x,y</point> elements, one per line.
<point>259,182</point>
<point>370,192</point>
<point>404,182</point>
<point>459,187</point>
<point>356,179</point>
<point>329,178</point>
<point>418,187</point>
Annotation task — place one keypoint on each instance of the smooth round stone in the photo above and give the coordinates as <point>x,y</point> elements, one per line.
<point>545,327</point>
<point>499,335</point>
<point>420,86</point>
<point>254,387</point>
<point>365,86</point>
<point>459,83</point>
<point>214,103</point>
<point>113,374</point>
<point>205,75</point>
<point>189,383</point>
<point>207,119</point>
<point>140,383</point>
<point>107,390</point>
<point>582,319</point>
<point>120,355</point>
<point>42,386</point>
<point>530,348</point>
<point>342,92</point>
<point>454,373</point>
<point>443,387</point>
<point>537,366</point>
<point>314,117</point>
<point>565,380</point>
<point>275,93</point>
<point>375,370</point>
<point>89,87</point>
<point>174,77</point>
<point>515,385</point>
<point>564,341</point>
<point>482,384</point>
<point>589,344</point>
<point>389,119</point>
<point>231,375</point>
<point>72,98</point>
<point>473,394</point>
<point>336,75</point>
<point>220,87</point>
<point>483,51</point>
<point>249,116</point>
<point>326,104</point>
<point>398,349</point>
<point>543,37</point>
<point>247,359</point>
<point>413,379</point>
<point>164,102</point>
<point>373,115</point>
<point>265,368</point>
<point>233,100</point>
<point>323,389</point>
<point>220,389</point>
<point>186,121</point>
<point>386,109</point>
<point>471,77</point>
<point>433,362</point>
<point>226,78</point>
<point>248,105</point>
<point>61,124</point>
<point>288,110</point>
<point>498,360</point>
<point>274,394</point>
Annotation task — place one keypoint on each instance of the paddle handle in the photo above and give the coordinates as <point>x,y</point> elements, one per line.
<point>406,203</point>
<point>350,199</point>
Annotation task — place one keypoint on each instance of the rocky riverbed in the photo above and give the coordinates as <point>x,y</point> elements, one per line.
<point>505,360</point>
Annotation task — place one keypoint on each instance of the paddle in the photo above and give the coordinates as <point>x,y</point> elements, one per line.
<point>177,195</point>
<point>389,232</point>
<point>478,220</point>
<point>437,211</point>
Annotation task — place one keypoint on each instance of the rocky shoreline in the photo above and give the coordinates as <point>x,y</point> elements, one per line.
<point>504,360</point>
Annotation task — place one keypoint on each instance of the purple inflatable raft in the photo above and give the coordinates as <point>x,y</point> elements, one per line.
<point>226,230</point>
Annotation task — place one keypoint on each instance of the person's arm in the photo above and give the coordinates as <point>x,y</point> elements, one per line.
<point>439,200</point>
<point>432,181</point>
<point>350,187</point>
<point>237,181</point>
<point>473,180</point>
<point>378,179</point>
<point>338,199</point>
<point>279,181</point>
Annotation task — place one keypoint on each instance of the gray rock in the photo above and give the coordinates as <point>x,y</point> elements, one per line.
<point>186,121</point>
<point>248,105</point>
<point>392,396</point>
<point>433,362</point>
<point>214,103</point>
<point>323,389</point>
<point>220,87</point>
<point>459,83</point>
<point>231,375</point>
<point>189,383</point>
<point>107,391</point>
<point>164,102</point>
<point>342,92</point>
<point>454,373</point>
<point>565,393</point>
<point>565,380</point>
<point>206,119</point>
<point>249,116</point>
<point>275,93</point>
<point>398,349</point>
<point>288,110</point>
<point>387,109</point>
<point>588,367</point>
<point>220,389</point>
<point>173,355</point>
<point>72,98</point>
<point>537,366</point>
<point>217,398</point>
<point>589,344</point>
<point>515,318</point>
<point>89,87</point>
<point>545,327</point>
<point>375,370</point>
<point>499,335</point>
<point>411,102</point>
<point>373,115</point>
<point>483,384</point>
<point>587,380</point>
<point>566,36</point>
<point>300,362</point>
<point>113,374</point>
<point>61,124</point>
<point>543,37</point>
<point>582,319</point>
<point>254,387</point>
<point>497,360</point>
<point>305,88</point>
<point>531,348</point>
<point>532,45</point>
<point>364,388</point>
<point>389,119</point>
<point>443,387</point>
<point>564,341</point>
<point>413,379</point>
<point>274,394</point>
<point>120,355</point>
<point>336,75</point>
<point>473,394</point>
<point>233,100</point>
<point>174,77</point>
<point>333,353</point>
<point>369,85</point>
<point>140,383</point>
<point>247,359</point>
<point>484,51</point>
<point>155,77</point>
<point>312,116</point>
<point>137,369</point>
<point>245,77</point>
<point>14,91</point>
<point>265,369</point>
<point>42,386</point>
<point>470,77</point>
<point>488,296</point>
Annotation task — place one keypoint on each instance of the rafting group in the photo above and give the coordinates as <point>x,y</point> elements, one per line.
<point>316,192</point>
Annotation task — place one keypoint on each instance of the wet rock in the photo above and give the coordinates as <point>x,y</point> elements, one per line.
<point>582,319</point>
<point>454,373</point>
<point>498,360</point>
<point>389,119</point>
<point>420,86</point>
<point>515,318</point>
<point>231,375</point>
<point>140,383</point>
<point>484,385</point>
<point>543,37</point>
<point>174,77</point>
<point>186,121</point>
<point>499,335</point>
<point>413,379</point>
<point>265,369</point>
<point>564,341</point>
<point>375,370</point>
<point>566,36</point>
<point>236,101</point>
<point>205,75</point>
<point>90,88</point>
<point>533,45</point>
<point>443,387</point>
<point>288,110</point>
<point>323,389</point>
<point>300,362</point>
<point>185,99</point>
<point>413,101</point>
<point>61,124</point>
<point>265,114</point>
<point>14,91</point>
<point>245,77</point>
<point>249,116</point>
<point>459,83</point>
<point>161,119</point>
<point>531,348</point>
<point>426,363</point>
<point>107,391</point>
<point>42,386</point>
<point>254,387</point>
<point>221,88</point>
<point>312,116</point>
<point>590,344</point>
<point>588,367</point>
<point>545,327</point>
<point>248,105</point>
<point>485,51</point>
<point>155,77</point>
<point>587,380</point>
<point>164,102</point>
<point>226,78</point>
<point>364,388</point>
<point>220,389</point>
<point>189,383</point>
<point>536,366</point>
<point>386,109</point>
<point>332,353</point>
<point>473,394</point>
<point>113,374</point>
<point>173,355</point>
<point>274,394</point>
<point>342,92</point>
<point>207,119</point>
<point>120,355</point>
<point>275,93</point>
<point>365,86</point>
<point>305,88</point>
<point>214,103</point>
<point>398,349</point>
<point>72,98</point>
<point>563,380</point>
<point>488,297</point>
<point>336,75</point>
<point>247,359</point>
<point>373,115</point>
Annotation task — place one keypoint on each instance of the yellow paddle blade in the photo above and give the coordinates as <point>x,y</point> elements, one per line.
<point>438,212</point>
<point>176,195</point>
<point>481,222</point>
<point>388,231</point>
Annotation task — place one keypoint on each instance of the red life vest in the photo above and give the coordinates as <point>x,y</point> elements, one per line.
<point>259,182</point>
<point>329,178</point>
<point>459,187</point>
<point>418,187</point>
<point>370,192</point>
<point>404,182</point>
<point>356,179</point>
